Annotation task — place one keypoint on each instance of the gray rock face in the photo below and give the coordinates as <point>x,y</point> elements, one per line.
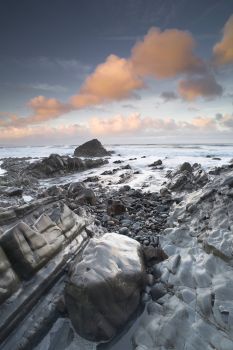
<point>187,178</point>
<point>104,288</point>
<point>198,314</point>
<point>92,148</point>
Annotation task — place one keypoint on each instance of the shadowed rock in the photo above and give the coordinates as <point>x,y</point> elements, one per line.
<point>92,148</point>
<point>81,194</point>
<point>56,165</point>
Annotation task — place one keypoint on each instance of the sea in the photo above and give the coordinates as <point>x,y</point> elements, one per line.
<point>138,156</point>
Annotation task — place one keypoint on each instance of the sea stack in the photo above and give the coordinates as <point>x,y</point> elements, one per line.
<point>92,148</point>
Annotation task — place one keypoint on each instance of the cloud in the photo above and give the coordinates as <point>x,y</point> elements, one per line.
<point>41,133</point>
<point>204,86</point>
<point>225,121</point>
<point>136,124</point>
<point>223,50</point>
<point>116,125</point>
<point>122,126</point>
<point>203,122</point>
<point>112,80</point>
<point>160,55</point>
<point>45,109</point>
<point>168,96</point>
<point>166,54</point>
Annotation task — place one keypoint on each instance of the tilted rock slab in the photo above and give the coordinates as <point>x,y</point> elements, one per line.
<point>104,287</point>
<point>38,240</point>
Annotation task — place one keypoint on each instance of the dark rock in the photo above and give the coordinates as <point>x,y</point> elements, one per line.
<point>53,191</point>
<point>124,231</point>
<point>56,165</point>
<point>115,207</point>
<point>156,163</point>
<point>186,167</point>
<point>91,179</point>
<point>81,193</point>
<point>154,254</point>
<point>126,167</point>
<point>13,191</point>
<point>158,291</point>
<point>92,148</point>
<point>118,161</point>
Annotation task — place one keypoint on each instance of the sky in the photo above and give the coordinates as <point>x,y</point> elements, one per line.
<point>122,71</point>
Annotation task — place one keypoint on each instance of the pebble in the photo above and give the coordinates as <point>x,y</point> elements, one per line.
<point>124,230</point>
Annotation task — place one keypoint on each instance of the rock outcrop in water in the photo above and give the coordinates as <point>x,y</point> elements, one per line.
<point>92,148</point>
<point>105,286</point>
<point>56,165</point>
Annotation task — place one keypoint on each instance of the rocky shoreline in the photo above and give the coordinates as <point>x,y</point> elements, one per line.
<point>85,256</point>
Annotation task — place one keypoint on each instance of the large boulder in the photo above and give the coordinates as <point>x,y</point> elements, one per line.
<point>105,286</point>
<point>92,148</point>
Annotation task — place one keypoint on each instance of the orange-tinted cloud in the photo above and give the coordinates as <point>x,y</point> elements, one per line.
<point>166,54</point>
<point>22,132</point>
<point>205,86</point>
<point>131,125</point>
<point>134,123</point>
<point>45,109</point>
<point>116,124</point>
<point>203,122</point>
<point>223,51</point>
<point>161,55</point>
<point>112,80</point>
